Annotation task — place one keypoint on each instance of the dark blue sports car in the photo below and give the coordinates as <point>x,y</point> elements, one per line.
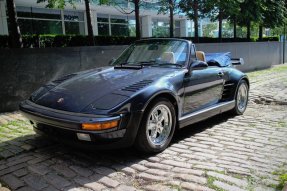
<point>154,87</point>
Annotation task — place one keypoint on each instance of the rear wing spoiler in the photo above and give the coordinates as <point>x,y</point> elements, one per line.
<point>237,61</point>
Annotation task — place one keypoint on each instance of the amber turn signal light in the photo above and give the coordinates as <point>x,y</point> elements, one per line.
<point>100,126</point>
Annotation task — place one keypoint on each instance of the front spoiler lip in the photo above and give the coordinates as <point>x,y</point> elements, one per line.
<point>63,119</point>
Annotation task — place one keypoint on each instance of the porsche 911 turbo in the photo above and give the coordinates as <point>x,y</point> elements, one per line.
<point>153,88</point>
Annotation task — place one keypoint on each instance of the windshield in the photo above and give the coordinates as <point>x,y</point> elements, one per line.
<point>161,52</point>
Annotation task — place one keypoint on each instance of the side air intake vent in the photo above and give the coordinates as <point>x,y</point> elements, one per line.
<point>137,86</point>
<point>227,91</point>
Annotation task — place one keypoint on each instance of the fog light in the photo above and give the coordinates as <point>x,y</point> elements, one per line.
<point>100,126</point>
<point>83,137</point>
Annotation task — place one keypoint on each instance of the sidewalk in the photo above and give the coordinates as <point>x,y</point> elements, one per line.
<point>247,152</point>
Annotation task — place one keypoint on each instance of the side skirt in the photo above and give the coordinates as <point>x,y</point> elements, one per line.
<point>205,113</point>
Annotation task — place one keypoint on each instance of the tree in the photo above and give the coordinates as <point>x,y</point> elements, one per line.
<point>61,5</point>
<point>250,11</point>
<point>192,8</point>
<point>169,7</point>
<point>137,16</point>
<point>14,30</point>
<point>273,14</point>
<point>220,10</point>
<point>136,11</point>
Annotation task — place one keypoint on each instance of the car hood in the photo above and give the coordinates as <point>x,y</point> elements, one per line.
<point>88,88</point>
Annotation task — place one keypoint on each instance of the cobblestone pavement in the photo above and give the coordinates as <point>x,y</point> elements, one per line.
<point>247,152</point>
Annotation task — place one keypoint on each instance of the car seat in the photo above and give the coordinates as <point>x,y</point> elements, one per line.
<point>168,57</point>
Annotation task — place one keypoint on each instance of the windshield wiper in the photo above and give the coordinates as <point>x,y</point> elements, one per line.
<point>147,63</point>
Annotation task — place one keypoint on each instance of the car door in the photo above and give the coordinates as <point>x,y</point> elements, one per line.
<point>202,88</point>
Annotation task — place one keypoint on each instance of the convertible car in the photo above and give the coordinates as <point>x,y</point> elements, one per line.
<point>153,88</point>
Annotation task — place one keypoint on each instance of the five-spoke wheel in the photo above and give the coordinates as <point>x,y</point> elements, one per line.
<point>157,126</point>
<point>241,98</point>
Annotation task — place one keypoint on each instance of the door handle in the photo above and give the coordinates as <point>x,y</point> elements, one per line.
<point>221,74</point>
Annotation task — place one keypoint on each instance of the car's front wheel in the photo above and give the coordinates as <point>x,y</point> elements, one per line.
<point>157,126</point>
<point>241,98</point>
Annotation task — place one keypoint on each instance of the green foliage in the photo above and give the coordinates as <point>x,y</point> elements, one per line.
<point>192,8</point>
<point>208,29</point>
<point>227,8</point>
<point>269,38</point>
<point>45,41</point>
<point>273,13</point>
<point>60,4</point>
<point>282,178</point>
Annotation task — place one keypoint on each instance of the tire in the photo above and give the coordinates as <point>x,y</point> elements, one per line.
<point>155,135</point>
<point>241,101</point>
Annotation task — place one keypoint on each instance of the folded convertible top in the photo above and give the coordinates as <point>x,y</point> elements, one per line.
<point>218,59</point>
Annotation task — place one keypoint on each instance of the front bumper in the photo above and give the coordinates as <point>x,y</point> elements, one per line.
<point>64,126</point>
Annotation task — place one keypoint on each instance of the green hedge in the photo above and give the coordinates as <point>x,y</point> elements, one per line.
<point>271,38</point>
<point>42,41</point>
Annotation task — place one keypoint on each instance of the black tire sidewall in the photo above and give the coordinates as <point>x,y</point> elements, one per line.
<point>143,142</point>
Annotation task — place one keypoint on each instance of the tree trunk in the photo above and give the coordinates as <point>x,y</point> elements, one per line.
<point>248,30</point>
<point>195,20</point>
<point>14,30</point>
<point>89,23</point>
<point>171,20</point>
<point>234,28</point>
<point>137,15</point>
<point>260,32</point>
<point>220,26</point>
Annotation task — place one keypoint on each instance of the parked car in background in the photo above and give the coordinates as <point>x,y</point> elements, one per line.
<point>154,87</point>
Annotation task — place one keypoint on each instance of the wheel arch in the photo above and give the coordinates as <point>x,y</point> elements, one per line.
<point>165,94</point>
<point>245,78</point>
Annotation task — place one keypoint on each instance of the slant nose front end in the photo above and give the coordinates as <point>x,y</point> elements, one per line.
<point>83,130</point>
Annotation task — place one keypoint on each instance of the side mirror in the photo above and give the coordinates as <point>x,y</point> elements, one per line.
<point>111,62</point>
<point>197,65</point>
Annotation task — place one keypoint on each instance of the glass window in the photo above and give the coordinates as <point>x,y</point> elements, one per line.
<point>26,26</point>
<point>160,28</point>
<point>38,13</point>
<point>157,52</point>
<point>102,18</point>
<point>29,26</point>
<point>77,28</point>
<point>119,19</point>
<point>103,29</point>
<point>132,30</point>
<point>73,16</point>
<point>120,30</point>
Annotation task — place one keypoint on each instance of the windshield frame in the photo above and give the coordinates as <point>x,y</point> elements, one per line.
<point>185,65</point>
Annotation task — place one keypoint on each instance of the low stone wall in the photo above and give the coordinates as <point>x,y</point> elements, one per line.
<point>259,55</point>
<point>22,71</point>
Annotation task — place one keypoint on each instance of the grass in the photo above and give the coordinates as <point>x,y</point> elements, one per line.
<point>14,129</point>
<point>282,124</point>
<point>282,178</point>
<point>210,184</point>
<point>277,69</point>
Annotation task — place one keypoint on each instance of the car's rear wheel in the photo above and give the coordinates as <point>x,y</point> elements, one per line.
<point>157,126</point>
<point>241,98</point>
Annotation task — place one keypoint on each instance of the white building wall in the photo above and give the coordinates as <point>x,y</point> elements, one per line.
<point>146,16</point>
<point>3,18</point>
<point>184,28</point>
<point>146,26</point>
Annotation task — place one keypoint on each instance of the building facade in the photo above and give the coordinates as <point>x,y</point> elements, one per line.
<point>107,20</point>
